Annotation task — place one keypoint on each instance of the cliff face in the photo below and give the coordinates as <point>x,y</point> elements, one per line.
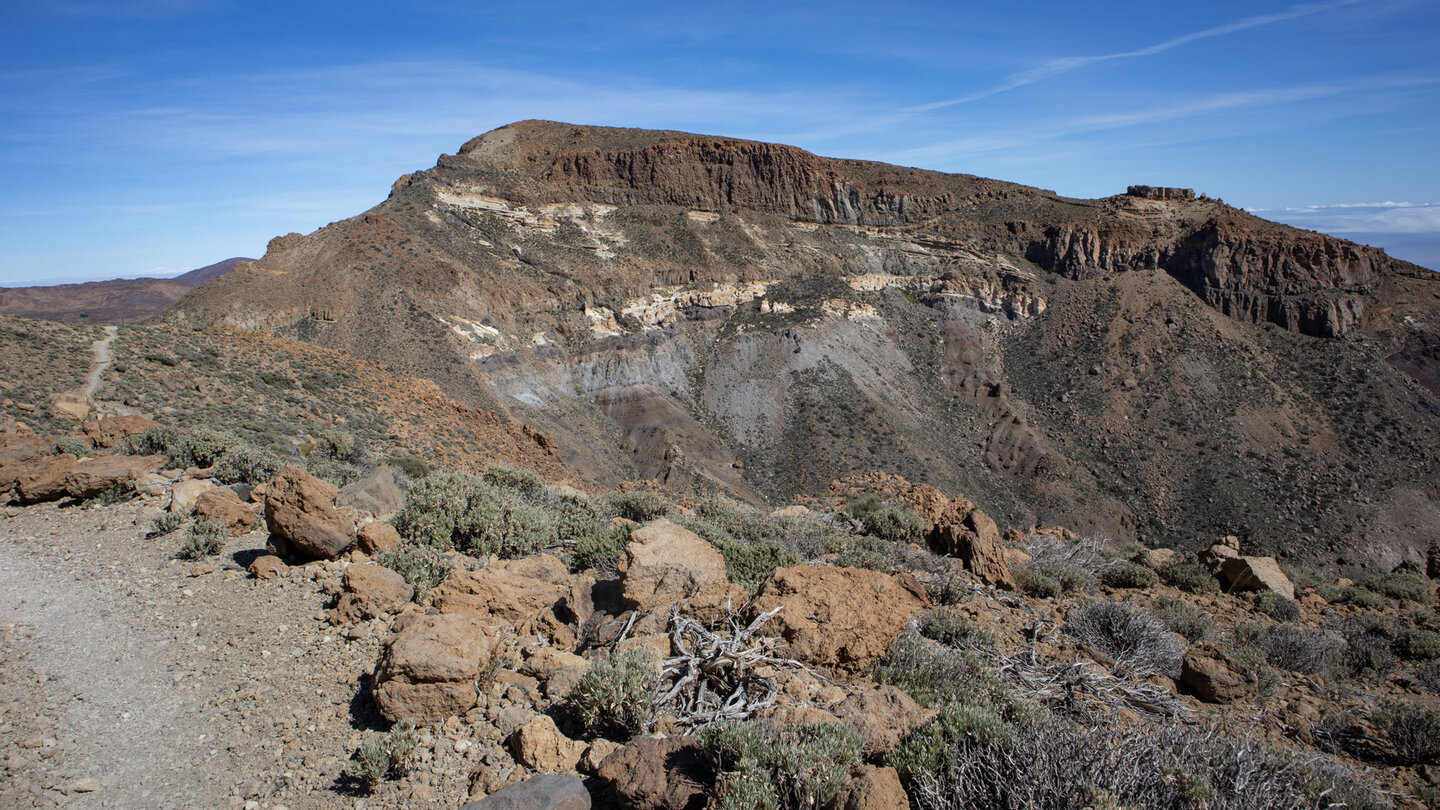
<point>725,315</point>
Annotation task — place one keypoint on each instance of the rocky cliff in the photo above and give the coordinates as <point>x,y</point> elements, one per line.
<point>728,315</point>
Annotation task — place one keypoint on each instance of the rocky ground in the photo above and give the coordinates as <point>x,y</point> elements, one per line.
<point>129,678</point>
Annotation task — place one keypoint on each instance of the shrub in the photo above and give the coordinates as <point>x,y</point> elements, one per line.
<point>802,765</point>
<point>1129,575</point>
<point>1183,618</point>
<point>1417,644</point>
<point>1367,646</point>
<point>167,522</point>
<point>640,505</point>
<point>1285,610</point>
<point>947,589</point>
<point>1412,730</point>
<point>247,464</point>
<point>412,465</point>
<point>1190,577</point>
<point>521,482</point>
<point>953,630</point>
<point>749,565</point>
<point>387,754</point>
<point>197,448</point>
<point>600,550</point>
<point>574,514</point>
<point>206,539</point>
<point>1351,595</point>
<point>333,470</point>
<point>1037,585</point>
<point>458,510</point>
<point>1402,585</point>
<point>1428,677</point>
<point>807,536</point>
<point>1058,567</point>
<point>934,676</point>
<point>1298,649</point>
<point>70,444</point>
<point>886,520</point>
<point>338,445</point>
<point>1137,641</point>
<point>615,699</point>
<point>424,567</point>
<point>1051,762</point>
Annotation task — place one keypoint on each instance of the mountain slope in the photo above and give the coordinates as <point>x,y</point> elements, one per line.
<point>121,299</point>
<point>750,318</point>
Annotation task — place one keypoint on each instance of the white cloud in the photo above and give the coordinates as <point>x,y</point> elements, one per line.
<point>1376,217</point>
<point>1065,64</point>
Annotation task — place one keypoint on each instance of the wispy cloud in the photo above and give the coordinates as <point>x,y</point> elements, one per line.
<point>1055,67</point>
<point>1206,106</point>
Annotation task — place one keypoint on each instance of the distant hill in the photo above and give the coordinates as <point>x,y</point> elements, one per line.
<point>121,299</point>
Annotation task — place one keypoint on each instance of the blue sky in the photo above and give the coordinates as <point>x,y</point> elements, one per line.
<point>146,137</point>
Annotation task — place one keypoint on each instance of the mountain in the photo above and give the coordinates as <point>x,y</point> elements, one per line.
<point>726,315</point>
<point>121,299</point>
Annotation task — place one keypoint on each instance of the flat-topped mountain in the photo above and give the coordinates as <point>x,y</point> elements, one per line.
<point>727,315</point>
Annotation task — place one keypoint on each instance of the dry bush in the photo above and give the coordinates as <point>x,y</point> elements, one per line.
<point>1137,641</point>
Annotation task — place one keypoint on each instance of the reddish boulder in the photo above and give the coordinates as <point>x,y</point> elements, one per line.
<point>304,522</point>
<point>429,669</point>
<point>667,773</point>
<point>844,618</point>
<point>43,479</point>
<point>1213,677</point>
<point>665,563</point>
<point>222,504</point>
<point>111,431</point>
<point>371,591</point>
<point>976,542</point>
<point>98,475</point>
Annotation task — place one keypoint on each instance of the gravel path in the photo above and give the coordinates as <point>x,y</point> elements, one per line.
<point>131,679</point>
<point>101,361</point>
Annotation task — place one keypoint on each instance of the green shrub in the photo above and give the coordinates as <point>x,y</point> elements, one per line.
<point>574,514</point>
<point>424,567</point>
<point>600,550</point>
<point>1037,585</point>
<point>939,745</point>
<point>615,699</point>
<point>337,445</point>
<point>1136,640</point>
<point>1298,649</point>
<point>749,565</point>
<point>947,589</point>
<point>934,675</point>
<point>886,520</point>
<point>523,483</point>
<point>335,471</point>
<point>953,630</point>
<point>458,510</point>
<point>411,464</point>
<point>802,765</point>
<point>1044,578</point>
<point>388,754</point>
<point>1417,644</point>
<point>167,522</point>
<point>1412,730</point>
<point>70,444</point>
<point>247,464</point>
<point>197,448</point>
<point>1351,595</point>
<point>640,505</point>
<point>1129,575</point>
<point>206,539</point>
<point>1190,577</point>
<point>807,536</point>
<point>1183,618</point>
<point>1402,585</point>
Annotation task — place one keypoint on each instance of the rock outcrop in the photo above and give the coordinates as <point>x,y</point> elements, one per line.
<point>665,563</point>
<point>841,618</point>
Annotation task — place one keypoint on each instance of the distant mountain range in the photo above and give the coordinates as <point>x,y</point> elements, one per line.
<point>121,299</point>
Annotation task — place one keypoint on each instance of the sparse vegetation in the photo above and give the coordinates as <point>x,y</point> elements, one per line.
<point>387,755</point>
<point>1129,575</point>
<point>1183,618</point>
<point>640,505</point>
<point>205,539</point>
<point>760,765</point>
<point>167,522</point>
<point>1298,649</point>
<point>424,567</point>
<point>70,444</point>
<point>1190,577</point>
<point>886,520</point>
<point>1402,585</point>
<point>1138,642</point>
<point>462,511</point>
<point>616,697</point>
<point>1413,731</point>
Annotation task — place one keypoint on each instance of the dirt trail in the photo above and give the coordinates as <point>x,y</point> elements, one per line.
<point>131,679</point>
<point>101,361</point>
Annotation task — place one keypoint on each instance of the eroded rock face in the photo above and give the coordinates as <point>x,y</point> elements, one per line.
<point>842,618</point>
<point>51,478</point>
<point>376,538</point>
<point>304,523</point>
<point>43,479</point>
<point>665,563</point>
<point>429,669</point>
<point>976,541</point>
<point>111,431</point>
<point>515,594</point>
<point>371,591</point>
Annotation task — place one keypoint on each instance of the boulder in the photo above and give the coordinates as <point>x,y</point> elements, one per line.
<point>976,541</point>
<point>185,494</point>
<point>883,715</point>
<point>539,746</point>
<point>98,475</point>
<point>429,669</point>
<point>1158,559</point>
<point>560,671</point>
<point>222,504</point>
<point>371,591</point>
<point>70,405</point>
<point>267,566</point>
<point>304,523</point>
<point>843,618</point>
<point>665,773</point>
<point>43,479</point>
<point>509,596</point>
<point>665,563</point>
<point>376,493</point>
<point>1208,672</point>
<point>1255,574</point>
<point>540,792</point>
<point>111,431</point>
<point>875,788</point>
<point>377,538</point>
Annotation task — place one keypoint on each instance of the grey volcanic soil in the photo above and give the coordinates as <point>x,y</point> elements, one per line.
<point>131,679</point>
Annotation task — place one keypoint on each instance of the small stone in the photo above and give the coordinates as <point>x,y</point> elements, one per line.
<point>87,785</point>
